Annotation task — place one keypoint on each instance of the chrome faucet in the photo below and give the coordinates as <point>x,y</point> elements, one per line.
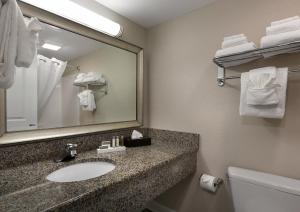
<point>69,154</point>
<point>71,150</point>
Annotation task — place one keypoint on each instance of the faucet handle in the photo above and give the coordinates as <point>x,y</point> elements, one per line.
<point>71,146</point>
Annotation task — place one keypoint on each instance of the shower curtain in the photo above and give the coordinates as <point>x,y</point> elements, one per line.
<point>50,72</point>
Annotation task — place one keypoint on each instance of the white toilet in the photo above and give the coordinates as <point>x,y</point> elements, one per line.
<point>261,192</point>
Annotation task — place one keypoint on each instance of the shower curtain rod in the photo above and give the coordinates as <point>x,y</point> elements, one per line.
<point>76,68</point>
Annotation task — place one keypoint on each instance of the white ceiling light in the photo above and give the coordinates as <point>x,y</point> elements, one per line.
<point>79,14</point>
<point>51,46</point>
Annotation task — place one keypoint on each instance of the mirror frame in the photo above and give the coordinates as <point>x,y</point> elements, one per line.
<point>11,138</point>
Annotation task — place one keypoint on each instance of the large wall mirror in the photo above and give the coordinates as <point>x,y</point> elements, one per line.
<point>74,80</point>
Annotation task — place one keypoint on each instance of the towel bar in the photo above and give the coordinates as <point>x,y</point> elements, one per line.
<point>221,78</point>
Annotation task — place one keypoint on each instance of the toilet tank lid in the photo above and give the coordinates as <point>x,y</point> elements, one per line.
<point>283,184</point>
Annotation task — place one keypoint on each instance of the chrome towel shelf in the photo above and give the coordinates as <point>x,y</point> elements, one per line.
<point>248,56</point>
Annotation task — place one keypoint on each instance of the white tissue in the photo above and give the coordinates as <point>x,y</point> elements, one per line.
<point>136,135</point>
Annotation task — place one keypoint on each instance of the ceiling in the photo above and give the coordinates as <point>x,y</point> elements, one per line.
<point>149,13</point>
<point>73,45</point>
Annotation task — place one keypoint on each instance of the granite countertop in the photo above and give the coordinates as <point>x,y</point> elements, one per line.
<point>25,188</point>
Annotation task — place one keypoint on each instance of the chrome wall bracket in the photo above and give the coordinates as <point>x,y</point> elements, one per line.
<point>221,76</point>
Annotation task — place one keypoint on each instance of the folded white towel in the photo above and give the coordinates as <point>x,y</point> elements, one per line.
<point>262,89</point>
<point>233,37</point>
<point>234,42</point>
<point>285,27</point>
<point>79,78</point>
<point>90,77</point>
<point>236,49</point>
<point>87,100</point>
<point>265,111</point>
<point>93,77</point>
<point>261,77</point>
<point>282,38</point>
<point>274,23</point>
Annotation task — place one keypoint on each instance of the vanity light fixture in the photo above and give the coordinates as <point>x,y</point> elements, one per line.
<point>79,14</point>
<point>51,46</point>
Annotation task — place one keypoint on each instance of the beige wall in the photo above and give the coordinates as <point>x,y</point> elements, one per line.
<point>183,96</point>
<point>119,69</point>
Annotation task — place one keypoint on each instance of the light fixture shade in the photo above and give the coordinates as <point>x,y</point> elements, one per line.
<point>51,46</point>
<point>77,13</point>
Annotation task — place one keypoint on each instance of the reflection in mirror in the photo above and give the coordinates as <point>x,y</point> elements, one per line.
<point>72,81</point>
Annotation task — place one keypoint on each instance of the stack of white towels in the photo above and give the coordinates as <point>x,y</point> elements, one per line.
<point>87,100</point>
<point>263,92</point>
<point>235,44</point>
<point>90,77</point>
<point>282,32</point>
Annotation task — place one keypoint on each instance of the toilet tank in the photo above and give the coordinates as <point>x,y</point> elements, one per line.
<point>254,191</point>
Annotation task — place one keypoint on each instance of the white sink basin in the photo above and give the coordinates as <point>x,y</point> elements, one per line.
<point>81,171</point>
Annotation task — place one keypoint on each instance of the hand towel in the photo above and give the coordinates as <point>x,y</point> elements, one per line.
<point>261,77</point>
<point>83,98</point>
<point>285,27</point>
<point>87,100</point>
<point>234,42</point>
<point>282,38</point>
<point>262,89</point>
<point>91,102</point>
<point>265,111</point>
<point>235,49</point>
<point>274,23</point>
<point>233,37</point>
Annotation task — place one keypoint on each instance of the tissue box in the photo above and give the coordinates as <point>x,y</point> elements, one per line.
<point>128,142</point>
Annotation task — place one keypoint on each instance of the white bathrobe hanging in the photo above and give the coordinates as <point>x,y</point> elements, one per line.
<point>16,41</point>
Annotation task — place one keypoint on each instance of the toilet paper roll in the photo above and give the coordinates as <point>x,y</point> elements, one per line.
<point>209,183</point>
